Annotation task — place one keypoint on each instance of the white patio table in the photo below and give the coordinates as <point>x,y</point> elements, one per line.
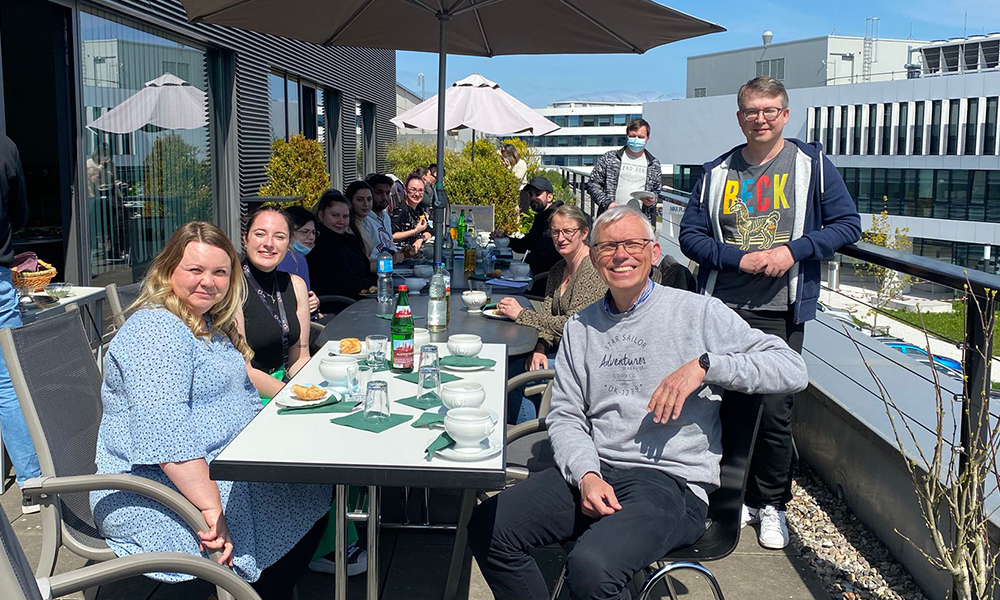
<point>308,448</point>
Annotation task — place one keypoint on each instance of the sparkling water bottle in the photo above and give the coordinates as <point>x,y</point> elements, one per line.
<point>437,304</point>
<point>384,262</point>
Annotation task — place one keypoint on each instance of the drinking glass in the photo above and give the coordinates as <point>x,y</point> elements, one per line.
<point>488,288</point>
<point>489,263</point>
<point>377,401</point>
<point>360,383</point>
<point>428,383</point>
<point>376,350</point>
<point>428,356</point>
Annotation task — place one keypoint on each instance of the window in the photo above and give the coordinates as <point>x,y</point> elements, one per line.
<point>971,125</point>
<point>901,128</point>
<point>365,138</point>
<point>163,176</point>
<point>953,110</point>
<point>887,128</point>
<point>622,120</point>
<point>604,120</point>
<point>700,92</point>
<point>935,148</point>
<point>573,121</point>
<point>587,120</point>
<point>771,68</point>
<point>990,130</point>
<point>858,111</point>
<point>918,128</point>
<point>829,130</point>
<point>284,108</point>
<point>872,125</point>
<point>842,146</point>
<point>817,121</point>
<point>991,54</point>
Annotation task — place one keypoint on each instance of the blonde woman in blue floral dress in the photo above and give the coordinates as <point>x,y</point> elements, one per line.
<point>175,393</point>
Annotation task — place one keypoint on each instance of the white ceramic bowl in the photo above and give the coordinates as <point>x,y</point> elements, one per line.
<point>501,242</point>
<point>421,337</point>
<point>424,271</point>
<point>459,394</point>
<point>465,344</point>
<point>339,371</point>
<point>468,427</point>
<point>520,269</point>
<point>474,299</point>
<point>414,284</point>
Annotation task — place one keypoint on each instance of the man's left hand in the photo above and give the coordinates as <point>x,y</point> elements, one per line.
<point>777,261</point>
<point>669,397</point>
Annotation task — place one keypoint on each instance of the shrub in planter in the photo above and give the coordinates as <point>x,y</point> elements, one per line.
<point>297,168</point>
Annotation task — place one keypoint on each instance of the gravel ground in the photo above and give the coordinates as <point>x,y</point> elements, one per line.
<point>852,563</point>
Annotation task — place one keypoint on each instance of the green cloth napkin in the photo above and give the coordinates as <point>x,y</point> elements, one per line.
<point>490,306</point>
<point>389,317</point>
<point>333,404</point>
<point>478,277</point>
<point>422,404</point>
<point>413,377</point>
<point>466,361</point>
<point>440,443</point>
<point>357,421</point>
<point>428,419</point>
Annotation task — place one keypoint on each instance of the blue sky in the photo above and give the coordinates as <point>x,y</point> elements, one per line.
<point>540,80</point>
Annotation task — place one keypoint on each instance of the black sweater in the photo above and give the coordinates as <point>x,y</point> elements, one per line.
<point>13,201</point>
<point>337,265</point>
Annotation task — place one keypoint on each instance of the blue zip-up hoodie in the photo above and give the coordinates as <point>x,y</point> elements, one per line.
<point>826,218</point>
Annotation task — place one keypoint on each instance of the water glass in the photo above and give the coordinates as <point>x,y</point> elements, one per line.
<point>360,383</point>
<point>489,263</point>
<point>377,402</point>
<point>428,385</point>
<point>376,350</point>
<point>488,288</point>
<point>428,356</point>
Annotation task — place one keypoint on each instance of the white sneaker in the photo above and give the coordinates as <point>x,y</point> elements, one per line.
<point>748,516</point>
<point>357,562</point>
<point>773,529</point>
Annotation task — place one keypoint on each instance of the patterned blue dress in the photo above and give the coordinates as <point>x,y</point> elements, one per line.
<point>169,397</point>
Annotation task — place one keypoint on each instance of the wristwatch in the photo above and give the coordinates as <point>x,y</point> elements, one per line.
<point>704,362</point>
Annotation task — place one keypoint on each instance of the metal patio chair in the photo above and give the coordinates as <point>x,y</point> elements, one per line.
<point>19,583</point>
<point>722,527</point>
<point>120,299</point>
<point>58,386</point>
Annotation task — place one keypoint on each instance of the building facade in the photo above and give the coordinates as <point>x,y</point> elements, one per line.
<point>589,129</point>
<point>812,62</point>
<point>925,150</point>
<point>103,202</point>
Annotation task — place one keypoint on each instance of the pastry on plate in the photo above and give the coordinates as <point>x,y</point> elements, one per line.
<point>350,346</point>
<point>309,394</point>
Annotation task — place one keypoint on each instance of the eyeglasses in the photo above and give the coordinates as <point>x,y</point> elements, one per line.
<point>568,232</point>
<point>771,113</point>
<point>415,190</point>
<point>313,233</point>
<point>633,246</point>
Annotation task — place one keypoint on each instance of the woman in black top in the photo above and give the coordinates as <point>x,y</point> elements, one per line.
<point>275,319</point>
<point>337,263</point>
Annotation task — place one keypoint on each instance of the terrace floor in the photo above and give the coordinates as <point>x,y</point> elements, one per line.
<point>415,563</point>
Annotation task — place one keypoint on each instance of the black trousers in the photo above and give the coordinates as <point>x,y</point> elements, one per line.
<point>770,481</point>
<point>659,513</point>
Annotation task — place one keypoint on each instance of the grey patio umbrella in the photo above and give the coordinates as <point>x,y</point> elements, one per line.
<point>470,27</point>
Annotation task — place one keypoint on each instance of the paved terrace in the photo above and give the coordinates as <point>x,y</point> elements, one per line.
<point>415,564</point>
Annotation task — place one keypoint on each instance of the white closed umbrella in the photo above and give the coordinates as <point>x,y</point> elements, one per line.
<point>167,102</point>
<point>479,104</point>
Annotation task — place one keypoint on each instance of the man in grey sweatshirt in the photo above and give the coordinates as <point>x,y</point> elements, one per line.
<point>637,453</point>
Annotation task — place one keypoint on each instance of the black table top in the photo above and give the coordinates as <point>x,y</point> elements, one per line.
<point>358,320</point>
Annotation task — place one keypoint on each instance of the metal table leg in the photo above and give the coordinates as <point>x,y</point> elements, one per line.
<point>466,504</point>
<point>340,589</point>
<point>374,519</point>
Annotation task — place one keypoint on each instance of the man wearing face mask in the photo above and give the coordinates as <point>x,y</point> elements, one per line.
<point>619,173</point>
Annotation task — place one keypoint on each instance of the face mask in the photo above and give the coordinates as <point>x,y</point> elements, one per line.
<point>636,144</point>
<point>300,247</point>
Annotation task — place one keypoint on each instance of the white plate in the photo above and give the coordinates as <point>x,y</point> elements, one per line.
<point>363,354</point>
<point>479,368</point>
<point>488,448</point>
<point>443,410</point>
<point>640,194</point>
<point>493,314</point>
<point>293,402</point>
<point>517,279</point>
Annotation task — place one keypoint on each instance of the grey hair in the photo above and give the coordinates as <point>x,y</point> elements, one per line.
<point>765,86</point>
<point>618,213</point>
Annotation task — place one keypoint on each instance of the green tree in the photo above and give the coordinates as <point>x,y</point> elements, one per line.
<point>405,157</point>
<point>560,187</point>
<point>887,283</point>
<point>178,179</point>
<point>297,168</point>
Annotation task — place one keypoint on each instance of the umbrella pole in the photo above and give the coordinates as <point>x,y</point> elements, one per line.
<point>439,199</point>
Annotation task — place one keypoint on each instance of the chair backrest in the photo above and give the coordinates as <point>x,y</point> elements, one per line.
<point>120,299</point>
<point>16,579</point>
<point>58,386</point>
<point>482,213</point>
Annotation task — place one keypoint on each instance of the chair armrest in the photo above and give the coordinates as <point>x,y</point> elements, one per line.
<point>527,377</point>
<point>317,327</point>
<point>175,501</point>
<point>516,432</point>
<point>150,562</point>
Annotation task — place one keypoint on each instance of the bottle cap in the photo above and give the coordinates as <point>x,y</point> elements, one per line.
<point>402,288</point>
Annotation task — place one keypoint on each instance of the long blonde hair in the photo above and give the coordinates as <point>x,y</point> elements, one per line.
<point>158,291</point>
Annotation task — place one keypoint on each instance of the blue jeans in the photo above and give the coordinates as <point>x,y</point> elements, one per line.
<point>13,429</point>
<point>520,408</point>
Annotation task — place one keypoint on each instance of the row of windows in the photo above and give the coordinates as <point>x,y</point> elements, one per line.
<point>774,67</point>
<point>963,254</point>
<point>955,194</point>
<point>568,160</point>
<point>564,141</point>
<point>926,127</point>
<point>593,120</point>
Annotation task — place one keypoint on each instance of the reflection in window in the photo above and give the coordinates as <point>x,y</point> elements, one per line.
<point>990,130</point>
<point>971,125</point>
<point>935,128</point>
<point>872,125</point>
<point>918,128</point>
<point>842,136</point>
<point>858,109</point>
<point>901,128</point>
<point>953,108</point>
<point>277,106</point>
<point>146,173</point>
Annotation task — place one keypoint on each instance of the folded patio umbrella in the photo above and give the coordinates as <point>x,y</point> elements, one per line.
<point>470,27</point>
<point>167,102</point>
<point>479,104</point>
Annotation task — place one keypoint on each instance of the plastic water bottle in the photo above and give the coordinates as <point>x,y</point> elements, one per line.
<point>384,262</point>
<point>470,228</point>
<point>437,303</point>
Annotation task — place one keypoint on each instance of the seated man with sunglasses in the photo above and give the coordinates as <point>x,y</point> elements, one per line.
<point>634,425</point>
